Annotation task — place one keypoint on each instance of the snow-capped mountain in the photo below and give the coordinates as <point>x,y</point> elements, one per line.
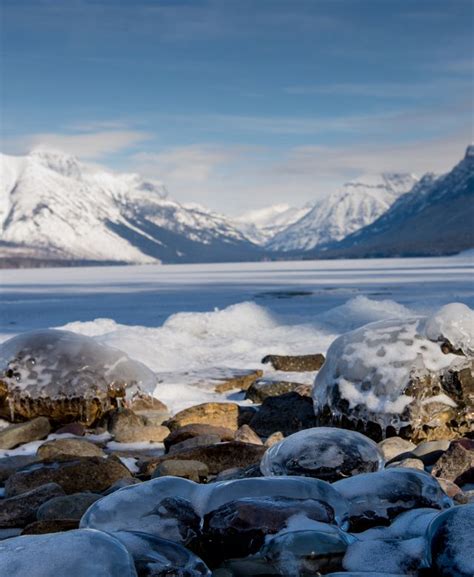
<point>355,205</point>
<point>53,207</point>
<point>261,225</point>
<point>435,218</point>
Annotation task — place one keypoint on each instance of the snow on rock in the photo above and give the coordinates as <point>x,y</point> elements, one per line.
<point>66,376</point>
<point>323,452</point>
<point>453,323</point>
<point>79,553</point>
<point>390,374</point>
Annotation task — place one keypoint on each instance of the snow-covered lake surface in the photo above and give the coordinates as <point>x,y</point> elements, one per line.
<point>183,320</point>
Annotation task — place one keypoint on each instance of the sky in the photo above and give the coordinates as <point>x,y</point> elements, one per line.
<point>240,104</point>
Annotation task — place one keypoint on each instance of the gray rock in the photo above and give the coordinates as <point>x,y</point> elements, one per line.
<point>199,441</point>
<point>21,510</point>
<point>66,506</point>
<point>394,446</point>
<point>33,430</point>
<point>128,427</point>
<point>10,465</point>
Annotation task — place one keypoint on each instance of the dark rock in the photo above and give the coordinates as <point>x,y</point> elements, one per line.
<point>66,506</point>
<point>20,510</point>
<point>50,526</point>
<point>196,430</point>
<point>77,475</point>
<point>33,430</point>
<point>293,363</point>
<point>76,429</point>
<point>199,441</point>
<point>287,413</point>
<point>10,465</point>
<point>69,448</point>
<point>262,389</point>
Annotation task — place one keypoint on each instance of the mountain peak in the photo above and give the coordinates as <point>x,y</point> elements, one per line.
<point>469,151</point>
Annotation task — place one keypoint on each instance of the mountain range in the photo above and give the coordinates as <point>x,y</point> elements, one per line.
<point>57,210</point>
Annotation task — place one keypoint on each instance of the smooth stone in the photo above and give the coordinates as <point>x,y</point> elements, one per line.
<point>33,430</point>
<point>66,506</point>
<point>197,430</point>
<point>193,470</point>
<point>429,447</point>
<point>78,475</point>
<point>127,427</point>
<point>245,434</point>
<point>147,403</point>
<point>70,448</point>
<point>394,446</point>
<point>76,429</point>
<point>217,414</point>
<point>199,441</point>
<point>287,413</point>
<point>21,510</point>
<point>295,363</point>
<point>408,464</point>
<point>154,418</point>
<point>10,465</point>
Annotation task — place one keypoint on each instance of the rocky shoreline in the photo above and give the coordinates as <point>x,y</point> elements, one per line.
<point>369,472</point>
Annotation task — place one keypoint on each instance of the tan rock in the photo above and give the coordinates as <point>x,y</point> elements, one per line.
<point>295,363</point>
<point>241,380</point>
<point>33,430</point>
<point>68,447</point>
<point>247,435</point>
<point>217,414</point>
<point>192,470</point>
<point>274,438</point>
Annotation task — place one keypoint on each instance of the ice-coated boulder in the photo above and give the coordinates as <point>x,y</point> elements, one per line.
<point>308,552</point>
<point>411,377</point>
<point>407,525</point>
<point>327,453</point>
<point>451,542</point>
<point>66,377</point>
<point>155,557</point>
<point>79,553</point>
<point>147,507</point>
<point>376,498</point>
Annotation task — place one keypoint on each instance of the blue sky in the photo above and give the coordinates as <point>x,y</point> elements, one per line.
<point>238,104</point>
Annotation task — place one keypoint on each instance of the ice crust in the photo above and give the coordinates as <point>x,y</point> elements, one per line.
<point>372,366</point>
<point>324,452</point>
<point>79,553</point>
<point>60,364</point>
<point>135,508</point>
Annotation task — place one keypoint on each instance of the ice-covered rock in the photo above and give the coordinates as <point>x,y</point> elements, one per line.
<point>66,377</point>
<point>327,453</point>
<point>407,525</point>
<point>309,552</point>
<point>155,557</point>
<point>376,498</point>
<point>451,542</point>
<point>401,377</point>
<point>80,553</point>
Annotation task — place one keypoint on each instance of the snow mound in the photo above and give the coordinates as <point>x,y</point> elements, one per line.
<point>453,323</point>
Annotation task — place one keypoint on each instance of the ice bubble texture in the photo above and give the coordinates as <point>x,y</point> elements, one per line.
<point>327,453</point>
<point>60,364</point>
<point>79,553</point>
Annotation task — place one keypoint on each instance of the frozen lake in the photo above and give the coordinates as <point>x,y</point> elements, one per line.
<point>184,321</point>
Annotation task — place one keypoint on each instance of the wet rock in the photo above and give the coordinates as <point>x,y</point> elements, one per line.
<point>77,475</point>
<point>127,427</point>
<point>376,498</point>
<point>33,430</point>
<point>451,542</point>
<point>10,465</point>
<point>50,526</point>
<point>155,557</point>
<point>390,378</point>
<point>71,553</point>
<point>457,463</point>
<point>70,448</point>
<point>66,377</point>
<point>20,510</point>
<point>273,439</point>
<point>287,413</point>
<point>216,414</point>
<point>199,441</point>
<point>217,457</point>
<point>262,389</point>
<point>195,430</point>
<point>394,446</point>
<point>295,363</point>
<point>193,470</point>
<point>239,528</point>
<point>76,429</point>
<point>66,506</point>
<point>246,435</point>
<point>327,453</point>
<point>239,380</point>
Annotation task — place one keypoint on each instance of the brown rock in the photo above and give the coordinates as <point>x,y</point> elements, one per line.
<point>147,403</point>
<point>262,389</point>
<point>457,463</point>
<point>199,441</point>
<point>21,510</point>
<point>295,363</point>
<point>217,414</point>
<point>246,435</point>
<point>273,439</point>
<point>287,413</point>
<point>197,430</point>
<point>78,475</point>
<point>70,448</point>
<point>241,380</point>
<point>50,526</point>
<point>217,457</point>
<point>33,430</point>
<point>66,506</point>
<point>76,429</point>
<point>192,470</point>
